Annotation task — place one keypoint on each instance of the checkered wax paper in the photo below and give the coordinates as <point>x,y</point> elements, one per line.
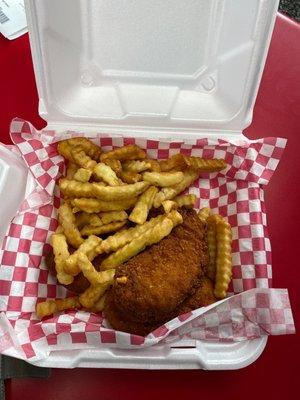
<point>253,308</point>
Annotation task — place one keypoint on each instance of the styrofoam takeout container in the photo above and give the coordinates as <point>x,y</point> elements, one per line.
<point>163,70</point>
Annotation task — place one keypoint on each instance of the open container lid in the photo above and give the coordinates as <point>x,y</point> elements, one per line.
<point>162,69</point>
<point>165,69</point>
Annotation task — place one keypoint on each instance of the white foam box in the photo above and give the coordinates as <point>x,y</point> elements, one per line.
<point>161,69</point>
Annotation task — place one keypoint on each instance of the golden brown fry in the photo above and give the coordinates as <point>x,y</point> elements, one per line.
<point>50,307</point>
<point>67,221</point>
<point>163,179</point>
<point>99,305</point>
<point>212,247</point>
<point>89,248</point>
<point>96,205</point>
<point>186,200</point>
<point>76,189</point>
<point>100,230</point>
<point>93,276</point>
<point>83,218</point>
<point>155,166</point>
<point>140,212</point>
<point>71,170</point>
<point>105,172</point>
<point>205,165</point>
<point>141,165</point>
<point>61,254</point>
<point>203,214</point>
<point>137,165</point>
<point>120,239</point>
<point>90,148</point>
<point>223,259</point>
<point>112,216</point>
<point>82,159</point>
<point>82,175</point>
<point>174,162</point>
<point>130,152</point>
<point>169,193</point>
<point>59,229</point>
<point>115,165</point>
<point>130,176</point>
<point>92,295</point>
<point>112,193</point>
<point>169,205</point>
<point>151,236</point>
<point>64,149</point>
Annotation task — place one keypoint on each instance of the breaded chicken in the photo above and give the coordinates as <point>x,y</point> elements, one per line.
<point>161,277</point>
<point>203,295</point>
<point>120,321</point>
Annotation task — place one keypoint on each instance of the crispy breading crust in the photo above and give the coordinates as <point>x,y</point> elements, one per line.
<point>159,279</point>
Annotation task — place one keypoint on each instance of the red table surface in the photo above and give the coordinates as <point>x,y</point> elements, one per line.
<point>277,113</point>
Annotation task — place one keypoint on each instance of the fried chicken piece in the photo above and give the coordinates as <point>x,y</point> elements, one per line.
<point>202,296</point>
<point>161,277</point>
<point>120,322</point>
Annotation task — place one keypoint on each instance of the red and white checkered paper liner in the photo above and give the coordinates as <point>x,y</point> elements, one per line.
<point>236,193</point>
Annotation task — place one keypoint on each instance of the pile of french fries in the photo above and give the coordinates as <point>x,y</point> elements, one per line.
<point>107,199</point>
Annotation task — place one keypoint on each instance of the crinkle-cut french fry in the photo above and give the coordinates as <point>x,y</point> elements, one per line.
<point>64,149</point>
<point>93,276</point>
<point>120,239</point>
<point>71,170</point>
<point>95,220</point>
<point>96,205</point>
<point>105,172</point>
<point>169,205</point>
<point>100,230</point>
<point>168,193</point>
<point>59,229</point>
<point>103,218</point>
<point>82,159</point>
<point>67,220</point>
<point>83,218</point>
<point>92,294</point>
<point>174,162</point>
<point>99,305</point>
<point>203,214</point>
<point>136,165</point>
<point>223,259</point>
<point>50,307</point>
<point>163,179</point>
<point>112,193</point>
<point>151,236</point>
<point>61,254</point>
<point>212,247</point>
<point>76,189</point>
<point>90,148</point>
<point>89,248</point>
<point>140,212</point>
<point>175,217</point>
<point>115,165</point>
<point>112,216</point>
<point>205,165</point>
<point>186,200</point>
<point>155,166</point>
<point>130,152</point>
<point>82,175</point>
<point>130,177</point>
